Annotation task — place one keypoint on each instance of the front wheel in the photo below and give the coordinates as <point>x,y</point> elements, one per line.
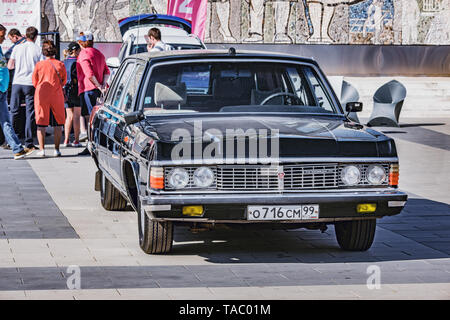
<point>355,235</point>
<point>154,236</point>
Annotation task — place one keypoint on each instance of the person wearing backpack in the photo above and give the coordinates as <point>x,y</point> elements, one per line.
<point>73,107</point>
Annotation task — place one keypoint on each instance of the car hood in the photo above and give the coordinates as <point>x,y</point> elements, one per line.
<point>311,136</point>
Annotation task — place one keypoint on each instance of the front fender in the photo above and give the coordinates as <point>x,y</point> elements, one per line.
<point>130,179</point>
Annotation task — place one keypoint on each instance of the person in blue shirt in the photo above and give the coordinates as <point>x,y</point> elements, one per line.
<point>5,122</point>
<point>16,38</point>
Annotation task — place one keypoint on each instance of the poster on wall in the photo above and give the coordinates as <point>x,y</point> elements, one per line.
<point>19,14</point>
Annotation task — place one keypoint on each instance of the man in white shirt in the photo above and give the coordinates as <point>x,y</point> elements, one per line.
<point>23,59</point>
<point>155,43</point>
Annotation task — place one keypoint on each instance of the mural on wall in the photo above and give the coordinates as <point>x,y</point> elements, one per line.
<point>272,21</point>
<point>371,22</point>
<point>439,30</point>
<point>148,6</point>
<point>73,16</point>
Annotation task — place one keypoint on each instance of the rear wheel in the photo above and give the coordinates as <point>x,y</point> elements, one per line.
<point>111,198</point>
<point>154,236</point>
<point>355,235</point>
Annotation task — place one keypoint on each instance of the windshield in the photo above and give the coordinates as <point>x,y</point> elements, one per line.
<point>237,87</point>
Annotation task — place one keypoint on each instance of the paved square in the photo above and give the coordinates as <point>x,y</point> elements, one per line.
<point>51,218</point>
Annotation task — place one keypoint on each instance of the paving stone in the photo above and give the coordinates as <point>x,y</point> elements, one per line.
<point>410,248</point>
<point>25,199</point>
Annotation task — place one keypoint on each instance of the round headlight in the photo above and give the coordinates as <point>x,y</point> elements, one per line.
<point>375,174</point>
<point>350,175</point>
<point>203,177</point>
<point>178,178</point>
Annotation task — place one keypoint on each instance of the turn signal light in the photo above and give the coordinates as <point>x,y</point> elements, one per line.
<point>157,178</point>
<point>193,211</point>
<point>366,207</point>
<point>393,175</point>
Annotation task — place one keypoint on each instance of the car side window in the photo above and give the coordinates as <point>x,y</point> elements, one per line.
<point>323,100</point>
<point>131,90</point>
<point>300,86</point>
<point>121,85</point>
<point>123,50</point>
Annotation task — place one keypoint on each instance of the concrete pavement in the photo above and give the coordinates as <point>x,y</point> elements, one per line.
<point>51,218</point>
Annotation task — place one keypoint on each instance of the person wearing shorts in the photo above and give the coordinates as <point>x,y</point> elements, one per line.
<point>93,75</point>
<point>73,106</point>
<point>49,77</point>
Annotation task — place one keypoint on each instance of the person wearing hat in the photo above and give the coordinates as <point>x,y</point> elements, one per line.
<point>92,74</point>
<point>73,107</point>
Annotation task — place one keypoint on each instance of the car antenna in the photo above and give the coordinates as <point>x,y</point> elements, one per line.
<point>232,51</point>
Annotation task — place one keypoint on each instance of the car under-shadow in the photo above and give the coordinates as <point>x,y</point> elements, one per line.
<point>420,232</point>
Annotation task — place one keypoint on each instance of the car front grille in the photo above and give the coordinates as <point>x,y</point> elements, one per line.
<point>296,177</point>
<point>276,178</point>
<point>317,176</point>
<point>247,178</point>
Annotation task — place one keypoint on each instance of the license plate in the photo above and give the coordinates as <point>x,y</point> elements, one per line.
<point>297,212</point>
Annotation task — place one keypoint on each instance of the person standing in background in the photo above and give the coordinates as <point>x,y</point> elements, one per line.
<point>5,122</point>
<point>92,75</point>
<point>73,108</point>
<point>16,38</point>
<point>23,60</point>
<point>48,78</point>
<point>154,42</point>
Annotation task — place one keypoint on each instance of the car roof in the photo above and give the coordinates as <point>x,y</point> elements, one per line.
<point>205,53</point>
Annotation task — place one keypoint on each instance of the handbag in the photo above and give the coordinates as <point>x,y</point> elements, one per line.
<point>66,98</point>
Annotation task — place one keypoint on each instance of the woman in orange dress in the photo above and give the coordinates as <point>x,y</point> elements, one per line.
<point>49,77</point>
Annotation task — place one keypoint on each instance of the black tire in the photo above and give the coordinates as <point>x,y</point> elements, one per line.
<point>155,237</point>
<point>111,198</point>
<point>357,235</point>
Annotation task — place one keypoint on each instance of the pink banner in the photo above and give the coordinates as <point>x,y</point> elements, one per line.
<point>191,10</point>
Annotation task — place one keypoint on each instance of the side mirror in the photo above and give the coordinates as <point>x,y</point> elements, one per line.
<point>353,107</point>
<point>134,117</point>
<point>113,62</point>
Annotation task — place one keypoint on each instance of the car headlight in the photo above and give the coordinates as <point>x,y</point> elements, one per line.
<point>375,174</point>
<point>178,178</point>
<point>350,175</point>
<point>203,177</point>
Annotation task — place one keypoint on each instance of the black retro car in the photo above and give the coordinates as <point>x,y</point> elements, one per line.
<point>206,138</point>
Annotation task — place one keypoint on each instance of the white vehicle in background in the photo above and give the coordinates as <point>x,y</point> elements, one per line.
<point>175,32</point>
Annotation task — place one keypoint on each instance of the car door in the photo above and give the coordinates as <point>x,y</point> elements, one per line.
<point>109,118</point>
<point>127,104</point>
